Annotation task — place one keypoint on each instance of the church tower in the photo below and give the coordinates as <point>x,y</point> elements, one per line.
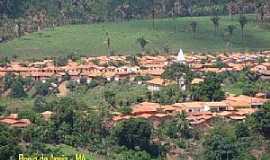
<point>181,58</point>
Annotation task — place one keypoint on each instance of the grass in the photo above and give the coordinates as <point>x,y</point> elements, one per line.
<point>233,89</point>
<point>71,151</point>
<point>15,105</point>
<point>123,93</point>
<point>91,97</point>
<point>91,39</point>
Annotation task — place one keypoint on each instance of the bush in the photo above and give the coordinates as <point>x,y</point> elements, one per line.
<point>17,89</point>
<point>42,89</point>
<point>133,133</point>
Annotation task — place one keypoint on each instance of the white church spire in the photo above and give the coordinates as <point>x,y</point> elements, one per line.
<point>181,58</point>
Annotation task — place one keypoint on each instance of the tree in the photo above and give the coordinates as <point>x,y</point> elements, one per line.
<point>133,133</point>
<point>178,127</point>
<point>3,108</point>
<point>108,42</point>
<point>230,29</point>
<point>142,42</point>
<point>215,21</point>
<point>42,89</point>
<point>4,61</point>
<point>220,144</point>
<point>242,130</point>
<point>8,80</point>
<point>232,8</point>
<point>133,155</point>
<point>10,148</point>
<point>109,97</point>
<point>219,63</point>
<point>132,60</point>
<point>17,89</point>
<point>169,95</point>
<point>260,10</point>
<point>209,90</point>
<point>194,25</point>
<point>62,129</point>
<point>29,114</point>
<point>153,14</point>
<point>243,21</point>
<point>260,120</point>
<point>249,89</point>
<point>176,71</point>
<point>61,61</point>
<point>40,104</point>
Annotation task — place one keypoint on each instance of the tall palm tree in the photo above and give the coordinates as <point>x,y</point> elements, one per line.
<point>142,42</point>
<point>243,22</point>
<point>230,29</point>
<point>194,26</point>
<point>108,41</point>
<point>215,21</point>
<point>153,14</point>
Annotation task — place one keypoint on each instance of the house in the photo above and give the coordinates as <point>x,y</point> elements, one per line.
<point>199,118</point>
<point>191,106</point>
<point>259,68</point>
<point>168,109</point>
<point>155,73</point>
<point>244,102</point>
<point>264,75</point>
<point>13,121</point>
<point>156,83</point>
<point>216,106</point>
<point>47,115</point>
<point>145,108</point>
<point>21,123</point>
<point>197,81</point>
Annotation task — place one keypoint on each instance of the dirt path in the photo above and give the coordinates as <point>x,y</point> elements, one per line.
<point>63,90</point>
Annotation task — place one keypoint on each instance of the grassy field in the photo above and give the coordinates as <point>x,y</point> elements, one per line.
<point>91,39</point>
<point>71,151</point>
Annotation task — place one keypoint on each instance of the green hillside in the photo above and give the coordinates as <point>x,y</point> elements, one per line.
<point>91,39</point>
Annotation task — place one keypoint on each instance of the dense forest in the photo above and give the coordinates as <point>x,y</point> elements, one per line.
<point>110,9</point>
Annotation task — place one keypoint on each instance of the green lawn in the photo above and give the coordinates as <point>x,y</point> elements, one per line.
<point>91,39</point>
<point>71,151</point>
<point>15,105</point>
<point>123,93</point>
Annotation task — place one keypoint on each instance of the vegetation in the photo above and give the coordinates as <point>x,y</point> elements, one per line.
<point>82,120</point>
<point>89,39</point>
<point>209,90</point>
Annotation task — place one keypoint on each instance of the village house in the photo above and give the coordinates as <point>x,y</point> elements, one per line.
<point>244,102</point>
<point>47,115</point>
<point>13,121</point>
<point>156,84</point>
<point>152,66</point>
<point>198,113</point>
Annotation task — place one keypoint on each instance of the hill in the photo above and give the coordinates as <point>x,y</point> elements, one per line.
<point>91,39</point>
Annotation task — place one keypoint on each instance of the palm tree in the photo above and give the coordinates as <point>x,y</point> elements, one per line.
<point>183,125</point>
<point>108,41</point>
<point>260,11</point>
<point>228,35</point>
<point>142,42</point>
<point>243,21</point>
<point>153,14</point>
<point>174,19</point>
<point>230,29</point>
<point>194,25</point>
<point>215,21</point>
